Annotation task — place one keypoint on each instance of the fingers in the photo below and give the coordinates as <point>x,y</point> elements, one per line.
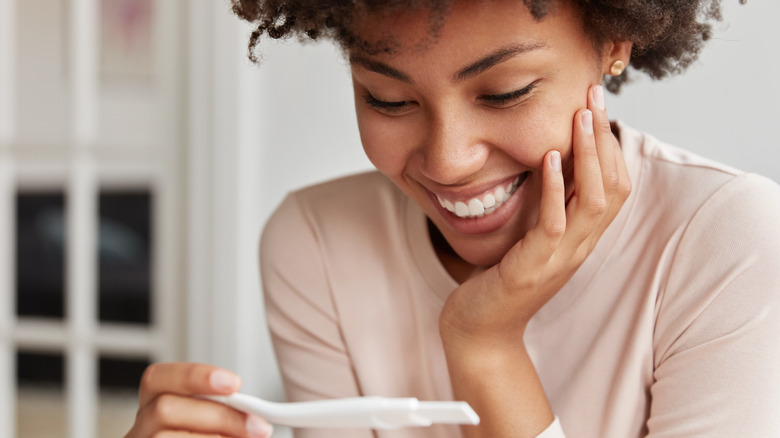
<point>601,182</point>
<point>616,182</point>
<point>186,379</point>
<point>170,412</point>
<point>551,224</point>
<point>168,406</point>
<point>588,203</point>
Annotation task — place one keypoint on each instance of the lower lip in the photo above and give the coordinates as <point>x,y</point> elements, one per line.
<point>485,224</point>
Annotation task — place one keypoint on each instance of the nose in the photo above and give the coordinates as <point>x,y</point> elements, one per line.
<point>453,151</point>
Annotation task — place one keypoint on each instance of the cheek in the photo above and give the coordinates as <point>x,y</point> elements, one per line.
<point>530,136</point>
<point>383,143</point>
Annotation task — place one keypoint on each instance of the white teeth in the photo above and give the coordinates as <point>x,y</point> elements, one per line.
<point>476,208</point>
<point>489,201</point>
<point>479,207</point>
<point>461,209</point>
<point>500,195</point>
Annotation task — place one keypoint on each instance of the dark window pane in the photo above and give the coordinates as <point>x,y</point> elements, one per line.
<point>40,403</point>
<point>39,369</point>
<point>40,254</point>
<point>118,396</point>
<point>124,267</point>
<point>118,374</point>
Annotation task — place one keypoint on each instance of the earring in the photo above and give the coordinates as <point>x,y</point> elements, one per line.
<point>617,68</point>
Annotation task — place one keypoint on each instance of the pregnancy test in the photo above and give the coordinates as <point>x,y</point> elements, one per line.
<point>355,412</point>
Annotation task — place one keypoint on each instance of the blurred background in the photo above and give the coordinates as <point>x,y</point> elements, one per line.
<point>141,153</point>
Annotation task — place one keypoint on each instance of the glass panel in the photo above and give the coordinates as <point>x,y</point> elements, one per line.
<point>40,254</point>
<point>124,268</point>
<point>40,411</point>
<point>119,379</point>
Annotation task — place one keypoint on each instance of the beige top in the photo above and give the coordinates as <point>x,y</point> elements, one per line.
<point>671,328</point>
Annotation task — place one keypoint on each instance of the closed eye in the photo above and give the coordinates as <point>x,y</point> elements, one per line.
<point>501,100</point>
<point>385,106</point>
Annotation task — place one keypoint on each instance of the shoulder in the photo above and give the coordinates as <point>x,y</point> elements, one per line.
<point>713,230</point>
<point>353,196</point>
<point>342,215</point>
<point>675,188</point>
<point>344,202</point>
<point>722,282</point>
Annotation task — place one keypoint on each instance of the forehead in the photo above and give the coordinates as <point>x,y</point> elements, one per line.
<point>461,25</point>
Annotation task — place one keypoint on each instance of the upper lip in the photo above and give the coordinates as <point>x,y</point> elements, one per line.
<point>473,191</point>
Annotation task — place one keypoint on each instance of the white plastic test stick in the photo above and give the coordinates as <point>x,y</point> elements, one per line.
<point>356,412</point>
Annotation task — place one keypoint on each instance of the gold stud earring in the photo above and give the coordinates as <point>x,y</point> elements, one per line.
<point>617,68</point>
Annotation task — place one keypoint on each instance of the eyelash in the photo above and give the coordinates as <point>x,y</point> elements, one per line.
<point>498,100</point>
<point>502,99</point>
<point>389,107</point>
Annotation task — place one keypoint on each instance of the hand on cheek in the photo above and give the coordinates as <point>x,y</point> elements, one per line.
<point>499,302</point>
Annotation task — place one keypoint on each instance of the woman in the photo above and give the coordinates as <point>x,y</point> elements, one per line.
<point>564,275</point>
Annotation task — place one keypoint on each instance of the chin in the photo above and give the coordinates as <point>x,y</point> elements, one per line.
<point>483,255</point>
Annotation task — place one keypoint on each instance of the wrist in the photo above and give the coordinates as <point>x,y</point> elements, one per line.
<point>494,337</point>
<point>494,352</point>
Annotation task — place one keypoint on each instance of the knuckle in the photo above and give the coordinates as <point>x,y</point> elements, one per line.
<point>604,126</point>
<point>554,228</point>
<point>231,419</point>
<point>515,282</point>
<point>625,188</point>
<point>589,151</point>
<point>596,206</point>
<point>162,409</point>
<point>612,182</point>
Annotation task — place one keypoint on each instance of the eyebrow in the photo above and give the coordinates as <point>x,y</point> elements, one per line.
<point>380,67</point>
<point>494,58</point>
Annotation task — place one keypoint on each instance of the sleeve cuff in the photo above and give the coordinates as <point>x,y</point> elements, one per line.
<point>554,430</point>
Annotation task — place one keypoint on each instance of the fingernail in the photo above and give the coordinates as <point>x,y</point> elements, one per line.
<point>555,161</point>
<point>223,380</point>
<point>598,97</point>
<point>587,121</point>
<point>257,428</point>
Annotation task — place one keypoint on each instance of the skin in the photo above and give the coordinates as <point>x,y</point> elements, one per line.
<point>167,408</point>
<point>448,137</point>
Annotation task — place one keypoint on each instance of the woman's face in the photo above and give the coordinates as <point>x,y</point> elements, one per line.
<point>461,122</point>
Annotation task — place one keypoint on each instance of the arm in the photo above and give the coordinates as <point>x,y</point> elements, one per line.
<point>302,318</point>
<point>717,341</point>
<point>483,321</point>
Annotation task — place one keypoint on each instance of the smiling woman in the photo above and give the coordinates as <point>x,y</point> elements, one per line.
<point>563,274</point>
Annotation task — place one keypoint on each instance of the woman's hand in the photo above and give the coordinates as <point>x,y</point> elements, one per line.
<point>483,321</point>
<point>168,408</point>
<point>501,300</point>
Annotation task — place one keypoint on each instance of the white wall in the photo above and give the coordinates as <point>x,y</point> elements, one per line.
<point>726,107</point>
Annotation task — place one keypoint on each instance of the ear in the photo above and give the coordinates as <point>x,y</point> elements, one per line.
<point>615,51</point>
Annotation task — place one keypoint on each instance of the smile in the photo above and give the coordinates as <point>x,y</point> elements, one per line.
<point>485,204</point>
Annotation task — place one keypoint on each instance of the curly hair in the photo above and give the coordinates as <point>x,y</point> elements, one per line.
<point>667,35</point>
